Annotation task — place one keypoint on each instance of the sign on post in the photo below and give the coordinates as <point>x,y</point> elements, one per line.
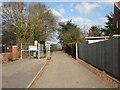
<point>35,42</point>
<point>33,48</point>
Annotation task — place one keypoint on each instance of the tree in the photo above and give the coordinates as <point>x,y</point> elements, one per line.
<point>42,21</point>
<point>109,29</point>
<point>94,31</point>
<point>70,33</point>
<point>8,35</point>
<point>27,23</point>
<point>13,21</point>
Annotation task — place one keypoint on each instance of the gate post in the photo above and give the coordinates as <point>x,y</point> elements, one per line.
<point>48,51</point>
<point>42,52</point>
<point>38,50</point>
<point>21,52</point>
<point>76,51</point>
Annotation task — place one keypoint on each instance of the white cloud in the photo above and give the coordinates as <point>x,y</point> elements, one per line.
<point>0,10</point>
<point>86,8</point>
<point>56,13</point>
<point>62,10</point>
<point>53,38</point>
<point>104,19</point>
<point>84,23</point>
<point>81,22</point>
<point>64,19</point>
<point>106,3</point>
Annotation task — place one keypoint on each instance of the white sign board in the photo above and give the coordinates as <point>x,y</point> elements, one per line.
<point>33,48</point>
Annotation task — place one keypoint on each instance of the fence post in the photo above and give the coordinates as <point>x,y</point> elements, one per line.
<point>38,50</point>
<point>48,51</point>
<point>42,52</point>
<point>76,51</point>
<point>21,51</point>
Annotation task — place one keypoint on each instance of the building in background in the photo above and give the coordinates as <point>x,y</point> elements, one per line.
<point>96,39</point>
<point>117,17</point>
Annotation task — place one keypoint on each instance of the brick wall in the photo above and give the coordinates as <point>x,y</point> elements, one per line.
<point>117,18</point>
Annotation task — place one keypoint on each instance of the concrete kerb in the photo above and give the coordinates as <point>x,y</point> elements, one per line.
<point>37,74</point>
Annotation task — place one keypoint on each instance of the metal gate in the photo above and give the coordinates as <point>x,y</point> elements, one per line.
<point>28,50</point>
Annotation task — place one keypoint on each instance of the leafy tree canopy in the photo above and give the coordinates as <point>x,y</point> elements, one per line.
<point>70,33</point>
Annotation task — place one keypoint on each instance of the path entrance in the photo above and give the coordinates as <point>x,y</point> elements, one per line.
<point>65,72</point>
<point>28,50</point>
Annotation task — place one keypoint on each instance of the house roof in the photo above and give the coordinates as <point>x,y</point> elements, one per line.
<point>117,4</point>
<point>93,38</point>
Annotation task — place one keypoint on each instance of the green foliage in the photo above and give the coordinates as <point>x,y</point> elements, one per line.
<point>70,33</point>
<point>68,26</point>
<point>94,31</point>
<point>109,29</point>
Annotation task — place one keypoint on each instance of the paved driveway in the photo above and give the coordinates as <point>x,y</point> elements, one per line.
<point>20,73</point>
<point>64,72</point>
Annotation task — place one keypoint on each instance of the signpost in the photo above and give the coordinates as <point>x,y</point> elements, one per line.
<point>37,50</point>
<point>35,42</point>
<point>32,48</point>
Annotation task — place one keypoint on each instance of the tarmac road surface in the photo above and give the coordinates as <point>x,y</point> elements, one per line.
<point>20,73</point>
<point>64,72</point>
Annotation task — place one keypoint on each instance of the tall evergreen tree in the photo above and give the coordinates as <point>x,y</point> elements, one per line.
<point>109,29</point>
<point>94,31</point>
